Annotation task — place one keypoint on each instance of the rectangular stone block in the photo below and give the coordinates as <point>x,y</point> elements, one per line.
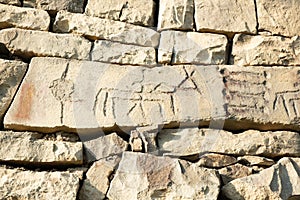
<point>176,14</point>
<point>97,28</point>
<point>114,52</point>
<point>279,17</point>
<point>225,16</point>
<point>177,47</point>
<point>136,12</point>
<point>29,43</point>
<point>26,18</point>
<point>75,6</point>
<point>11,2</point>
<point>265,50</point>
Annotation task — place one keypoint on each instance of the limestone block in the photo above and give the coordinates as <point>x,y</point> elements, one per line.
<point>136,12</point>
<point>190,47</point>
<point>97,28</point>
<point>11,2</point>
<point>256,161</point>
<point>211,160</point>
<point>232,172</point>
<point>225,16</point>
<point>176,14</point>
<point>114,52</point>
<point>75,6</point>
<point>29,43</point>
<point>265,50</point>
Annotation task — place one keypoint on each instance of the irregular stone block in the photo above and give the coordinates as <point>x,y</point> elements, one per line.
<point>97,180</point>
<point>26,18</point>
<point>136,12</point>
<point>114,52</point>
<point>185,142</point>
<point>265,50</point>
<point>75,6</point>
<point>232,172</point>
<point>33,185</point>
<point>25,147</point>
<point>279,17</point>
<point>28,43</point>
<point>149,177</point>
<point>82,95</point>
<point>216,160</point>
<point>12,73</point>
<point>225,16</point>
<point>189,47</point>
<point>97,28</point>
<point>11,2</point>
<point>176,14</point>
<point>280,181</point>
<point>256,161</point>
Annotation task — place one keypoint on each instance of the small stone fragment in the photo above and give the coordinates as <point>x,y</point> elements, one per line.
<point>216,160</point>
<point>11,2</point>
<point>29,43</point>
<point>150,133</point>
<point>189,47</point>
<point>75,6</point>
<point>176,14</point>
<point>256,161</point>
<point>232,172</point>
<point>137,141</point>
<point>225,16</point>
<point>114,52</point>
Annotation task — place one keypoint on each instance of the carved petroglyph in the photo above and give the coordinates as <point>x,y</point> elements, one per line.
<point>290,100</point>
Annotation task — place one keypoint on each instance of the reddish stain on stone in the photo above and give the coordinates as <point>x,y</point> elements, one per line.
<point>25,101</point>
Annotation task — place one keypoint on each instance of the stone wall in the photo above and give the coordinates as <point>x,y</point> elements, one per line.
<point>141,99</point>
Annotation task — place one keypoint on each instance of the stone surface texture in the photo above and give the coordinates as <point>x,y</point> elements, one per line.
<point>256,161</point>
<point>11,2</point>
<point>232,172</point>
<point>213,160</point>
<point>189,47</point>
<point>75,6</point>
<point>225,16</point>
<point>26,18</point>
<point>136,12</point>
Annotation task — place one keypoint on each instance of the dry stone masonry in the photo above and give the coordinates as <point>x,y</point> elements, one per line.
<point>143,100</point>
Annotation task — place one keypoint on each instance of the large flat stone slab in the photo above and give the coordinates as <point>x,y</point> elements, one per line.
<point>32,185</point>
<point>97,28</point>
<point>12,73</point>
<point>131,11</point>
<point>265,50</point>
<point>29,43</point>
<point>53,6</point>
<point>83,95</point>
<point>225,16</point>
<point>185,142</point>
<point>26,18</point>
<point>177,47</point>
<point>26,147</point>
<point>279,17</point>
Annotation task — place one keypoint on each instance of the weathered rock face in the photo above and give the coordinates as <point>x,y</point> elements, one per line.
<point>27,18</point>
<point>11,75</point>
<point>150,177</point>
<point>131,11</point>
<point>114,52</point>
<point>184,142</point>
<point>56,5</point>
<point>11,2</point>
<point>176,14</point>
<point>216,160</point>
<point>96,28</point>
<point>265,50</point>
<point>225,16</point>
<point>256,161</point>
<point>189,47</point>
<point>233,172</point>
<point>279,17</point>
<point>31,185</point>
<point>280,181</point>
<point>25,147</point>
<point>28,43</point>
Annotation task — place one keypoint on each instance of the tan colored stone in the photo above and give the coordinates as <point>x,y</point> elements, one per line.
<point>97,180</point>
<point>114,52</point>
<point>279,182</point>
<point>232,172</point>
<point>225,16</point>
<point>32,185</point>
<point>256,161</point>
<point>265,50</point>
<point>82,95</point>
<point>75,6</point>
<point>11,2</point>
<point>150,134</point>
<point>190,47</point>
<point>97,28</point>
<point>216,160</point>
<point>279,17</point>
<point>176,14</point>
<point>28,43</point>
<point>11,75</point>
<point>25,147</point>
<point>190,141</point>
<point>136,12</point>
<point>149,177</point>
<point>26,18</point>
